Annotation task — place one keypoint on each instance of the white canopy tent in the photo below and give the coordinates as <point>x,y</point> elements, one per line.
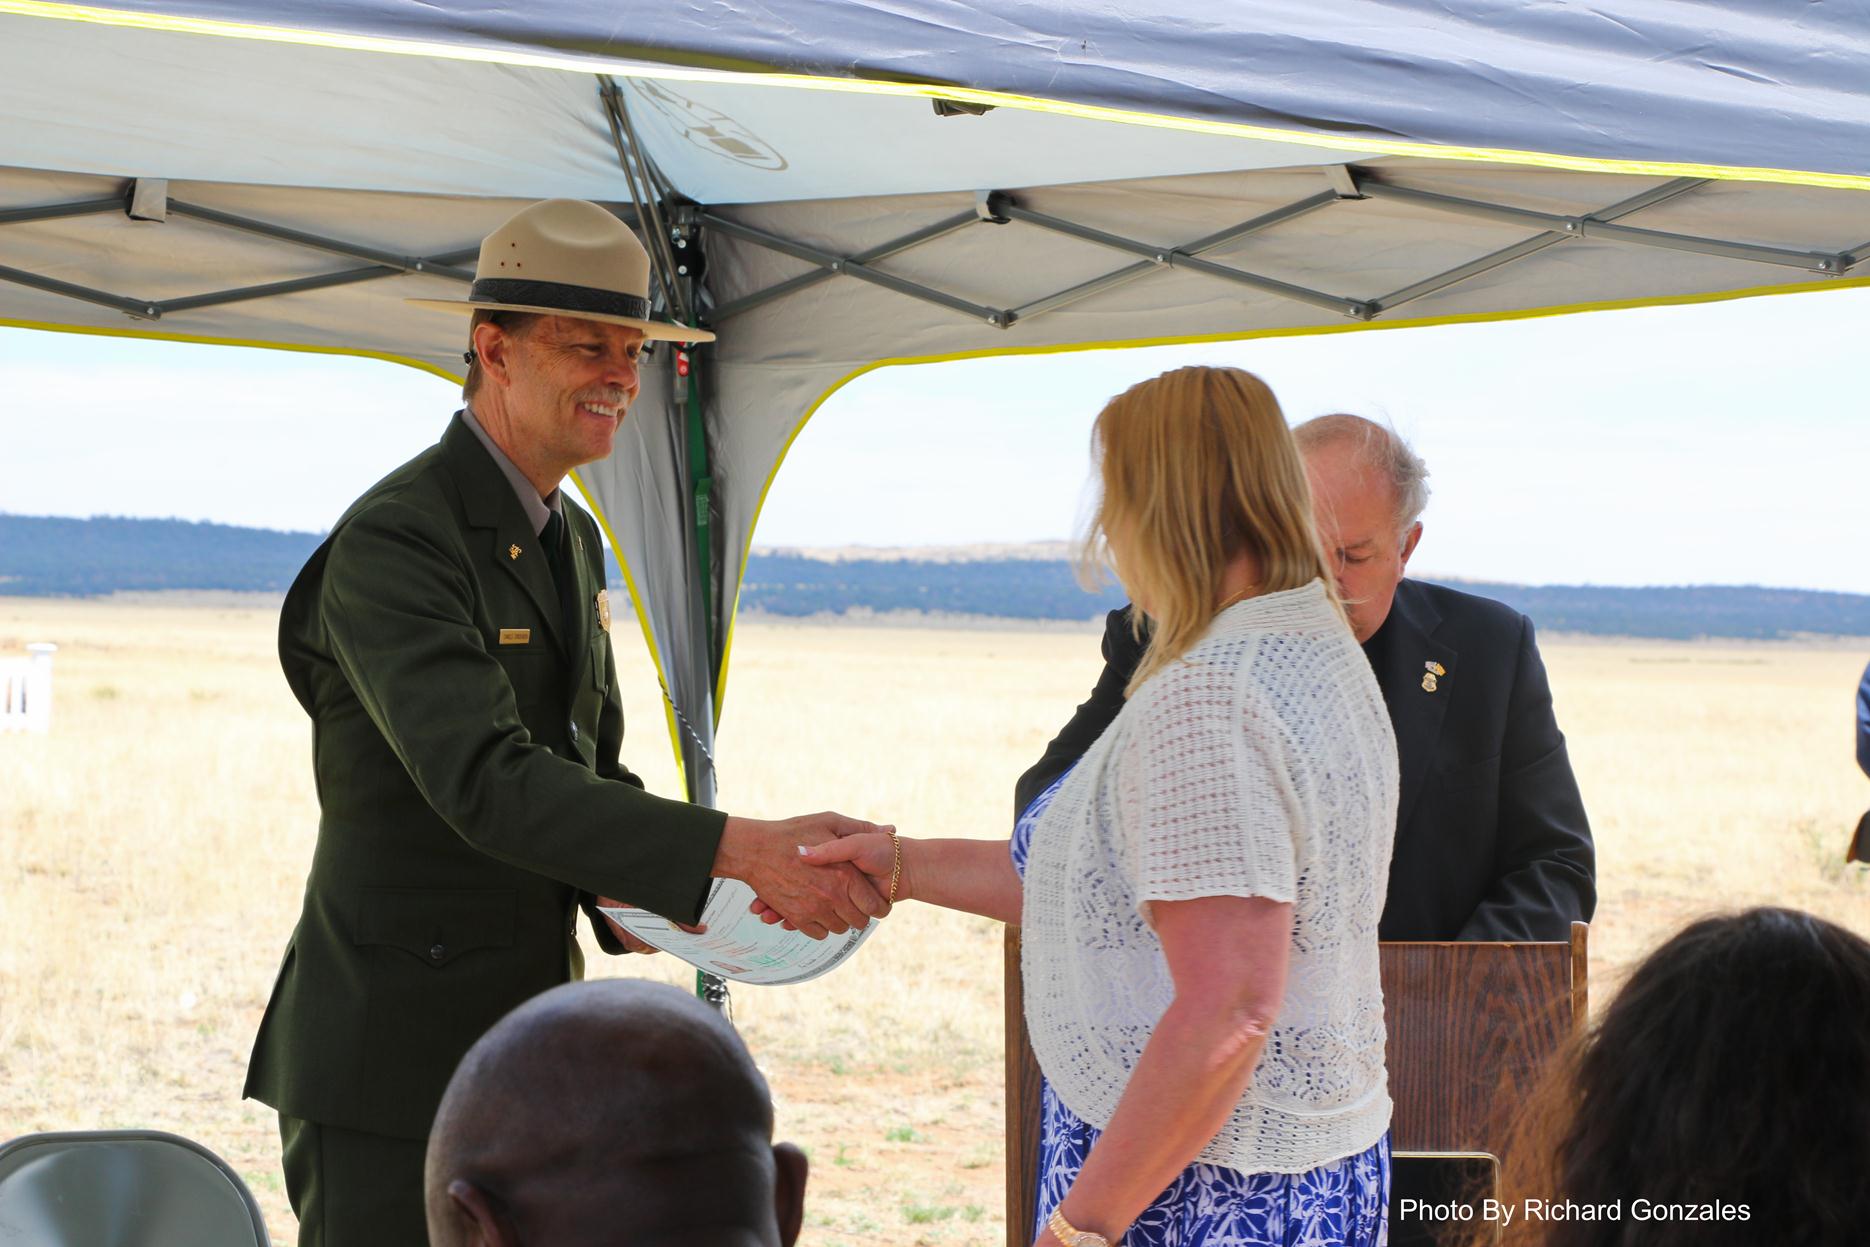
<point>835,185</point>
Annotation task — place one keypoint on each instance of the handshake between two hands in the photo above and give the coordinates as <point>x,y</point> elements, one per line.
<point>821,874</point>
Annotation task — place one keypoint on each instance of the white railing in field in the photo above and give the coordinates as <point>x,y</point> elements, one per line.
<point>26,690</point>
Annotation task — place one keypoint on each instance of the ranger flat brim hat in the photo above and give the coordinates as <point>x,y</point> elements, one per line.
<point>566,257</point>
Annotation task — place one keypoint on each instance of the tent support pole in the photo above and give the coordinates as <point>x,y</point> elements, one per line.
<point>351,251</point>
<point>701,776</point>
<point>154,309</point>
<point>1593,226</point>
<point>897,246</point>
<point>1201,246</point>
<point>1348,184</point>
<point>1473,268</point>
<point>1169,257</point>
<point>381,263</point>
<point>103,298</point>
<point>680,287</point>
<point>645,194</point>
<point>701,497</point>
<point>1529,246</point>
<point>698,474</point>
<point>53,212</point>
<point>374,272</point>
<point>850,267</point>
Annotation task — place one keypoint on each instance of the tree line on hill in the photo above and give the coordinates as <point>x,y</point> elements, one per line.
<point>50,557</point>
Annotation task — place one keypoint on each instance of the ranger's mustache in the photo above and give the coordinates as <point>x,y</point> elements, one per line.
<point>606,396</point>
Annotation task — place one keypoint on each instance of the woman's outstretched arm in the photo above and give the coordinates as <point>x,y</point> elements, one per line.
<point>972,875</point>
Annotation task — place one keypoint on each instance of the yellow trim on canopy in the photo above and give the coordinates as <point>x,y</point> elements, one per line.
<point>157,335</point>
<point>104,16</point>
<point>1470,318</point>
<point>642,621</point>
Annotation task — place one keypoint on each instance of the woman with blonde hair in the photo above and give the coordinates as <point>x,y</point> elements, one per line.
<point>1199,895</point>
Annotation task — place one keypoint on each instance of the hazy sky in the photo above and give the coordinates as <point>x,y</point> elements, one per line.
<point>1724,443</point>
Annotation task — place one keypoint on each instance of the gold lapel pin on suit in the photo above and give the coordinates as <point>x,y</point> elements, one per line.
<point>1431,677</point>
<point>512,551</point>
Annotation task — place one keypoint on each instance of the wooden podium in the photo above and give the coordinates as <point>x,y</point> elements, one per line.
<point>1470,1026</point>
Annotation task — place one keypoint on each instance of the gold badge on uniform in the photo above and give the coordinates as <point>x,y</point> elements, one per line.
<point>603,609</point>
<point>1433,674</point>
<point>1428,682</point>
<point>516,636</point>
<point>512,552</point>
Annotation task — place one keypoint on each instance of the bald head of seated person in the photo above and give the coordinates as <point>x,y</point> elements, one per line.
<point>1492,842</point>
<point>616,1112</point>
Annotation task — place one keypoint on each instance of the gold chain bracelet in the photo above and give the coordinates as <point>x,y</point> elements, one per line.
<point>896,864</point>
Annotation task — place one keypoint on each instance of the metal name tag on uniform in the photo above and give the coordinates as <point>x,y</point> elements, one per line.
<point>603,609</point>
<point>516,636</point>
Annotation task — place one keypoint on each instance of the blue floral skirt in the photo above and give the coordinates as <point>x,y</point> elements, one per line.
<point>1343,1203</point>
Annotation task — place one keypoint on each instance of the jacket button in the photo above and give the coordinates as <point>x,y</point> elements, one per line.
<point>574,732</point>
<point>437,952</point>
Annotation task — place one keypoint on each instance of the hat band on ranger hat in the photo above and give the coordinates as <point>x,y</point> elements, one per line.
<point>571,299</point>
<point>567,257</point>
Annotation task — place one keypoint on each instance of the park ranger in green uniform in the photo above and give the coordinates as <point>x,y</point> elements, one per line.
<point>450,642</point>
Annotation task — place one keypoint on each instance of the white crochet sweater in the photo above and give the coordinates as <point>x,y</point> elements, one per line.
<point>1261,764</point>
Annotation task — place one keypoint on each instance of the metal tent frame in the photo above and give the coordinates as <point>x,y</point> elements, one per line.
<point>1349,184</point>
<point>146,199</point>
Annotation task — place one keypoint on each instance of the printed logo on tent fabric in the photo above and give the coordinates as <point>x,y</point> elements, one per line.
<point>709,128</point>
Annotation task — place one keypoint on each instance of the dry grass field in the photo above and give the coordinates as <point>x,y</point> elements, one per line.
<point>153,847</point>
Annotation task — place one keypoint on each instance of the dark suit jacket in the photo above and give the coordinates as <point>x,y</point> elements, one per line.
<point>469,789</point>
<point>1492,841</point>
<point>1863,722</point>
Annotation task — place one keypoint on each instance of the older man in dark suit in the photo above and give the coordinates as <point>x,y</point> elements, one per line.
<point>450,642</point>
<point>1492,842</point>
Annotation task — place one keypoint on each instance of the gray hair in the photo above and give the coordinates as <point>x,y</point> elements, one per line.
<point>1381,448</point>
<point>515,323</point>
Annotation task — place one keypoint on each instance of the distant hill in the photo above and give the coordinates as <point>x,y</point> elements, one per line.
<point>42,556</point>
<point>793,584</point>
<point>45,557</point>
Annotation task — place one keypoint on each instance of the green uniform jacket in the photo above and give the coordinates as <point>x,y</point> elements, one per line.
<point>465,742</point>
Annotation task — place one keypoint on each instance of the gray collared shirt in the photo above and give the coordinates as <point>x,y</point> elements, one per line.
<point>538,509</point>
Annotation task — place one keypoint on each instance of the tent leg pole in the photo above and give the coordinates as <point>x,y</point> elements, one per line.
<point>701,776</point>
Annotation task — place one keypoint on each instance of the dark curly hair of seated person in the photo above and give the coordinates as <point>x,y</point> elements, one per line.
<point>1722,1099</point>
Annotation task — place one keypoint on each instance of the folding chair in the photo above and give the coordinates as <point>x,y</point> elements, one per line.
<point>123,1188</point>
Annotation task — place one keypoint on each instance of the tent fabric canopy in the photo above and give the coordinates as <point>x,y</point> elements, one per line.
<point>1750,84</point>
<point>190,170</point>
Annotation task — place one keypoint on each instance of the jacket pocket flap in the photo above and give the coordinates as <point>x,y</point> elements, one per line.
<point>434,925</point>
